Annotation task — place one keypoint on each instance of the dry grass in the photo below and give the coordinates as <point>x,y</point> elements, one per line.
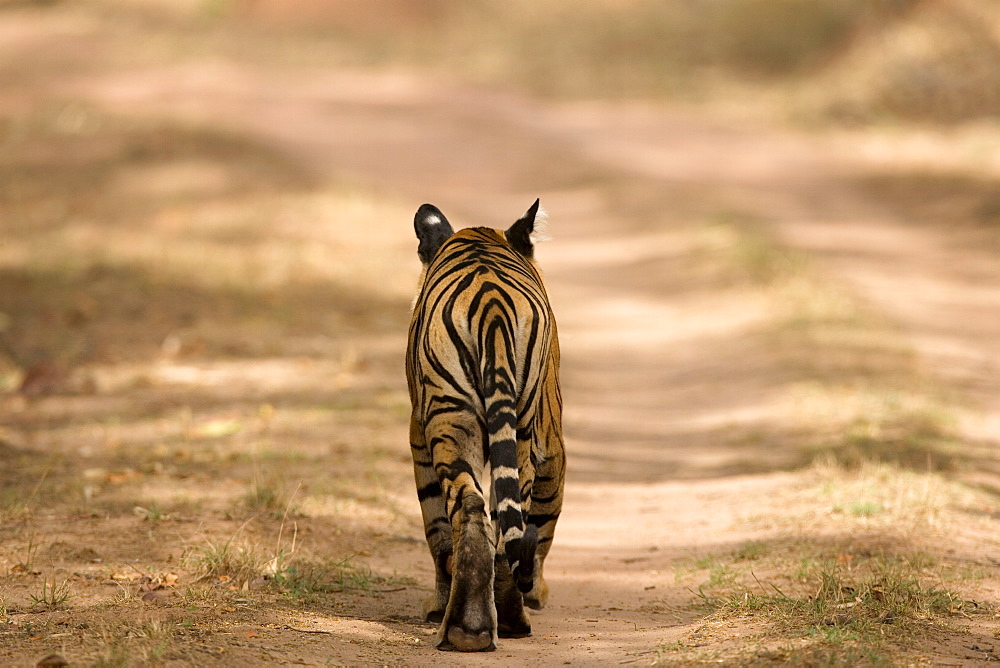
<point>152,643</point>
<point>200,345</point>
<point>843,572</point>
<point>897,503</point>
<point>309,581</point>
<point>233,561</point>
<point>807,603</point>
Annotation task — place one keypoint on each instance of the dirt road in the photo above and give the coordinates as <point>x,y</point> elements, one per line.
<point>692,405</point>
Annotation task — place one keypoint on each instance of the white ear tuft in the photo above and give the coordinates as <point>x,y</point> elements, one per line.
<point>541,231</point>
<point>432,220</point>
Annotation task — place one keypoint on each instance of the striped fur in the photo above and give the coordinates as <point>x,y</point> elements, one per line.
<point>482,368</point>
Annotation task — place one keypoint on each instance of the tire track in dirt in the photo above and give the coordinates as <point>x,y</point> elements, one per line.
<point>655,375</point>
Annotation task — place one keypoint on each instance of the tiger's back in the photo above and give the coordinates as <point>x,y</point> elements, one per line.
<point>482,369</point>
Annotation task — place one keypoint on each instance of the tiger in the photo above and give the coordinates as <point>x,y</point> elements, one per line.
<point>482,369</point>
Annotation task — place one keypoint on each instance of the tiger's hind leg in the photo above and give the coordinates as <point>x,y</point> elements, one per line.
<point>437,528</point>
<point>462,534</point>
<point>546,504</point>
<point>512,620</point>
<point>470,620</point>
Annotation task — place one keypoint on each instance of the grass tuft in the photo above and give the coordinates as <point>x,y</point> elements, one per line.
<point>150,644</point>
<point>237,564</point>
<point>307,580</point>
<point>53,594</point>
<point>151,513</point>
<point>851,604</point>
<point>265,498</point>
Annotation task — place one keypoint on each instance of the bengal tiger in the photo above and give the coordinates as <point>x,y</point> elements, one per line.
<point>482,366</point>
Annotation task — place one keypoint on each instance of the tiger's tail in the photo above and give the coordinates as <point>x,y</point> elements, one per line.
<point>500,402</point>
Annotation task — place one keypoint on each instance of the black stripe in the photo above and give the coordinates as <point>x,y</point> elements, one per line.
<point>503,453</point>
<point>510,517</point>
<point>506,488</point>
<point>495,421</point>
<point>542,520</point>
<point>454,469</point>
<point>428,491</point>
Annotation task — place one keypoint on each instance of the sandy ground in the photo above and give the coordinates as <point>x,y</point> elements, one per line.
<point>679,400</point>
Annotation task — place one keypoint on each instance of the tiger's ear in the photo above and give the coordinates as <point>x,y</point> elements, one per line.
<point>433,229</point>
<point>521,234</point>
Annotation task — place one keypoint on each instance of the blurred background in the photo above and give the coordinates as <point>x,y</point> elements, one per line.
<point>775,252</point>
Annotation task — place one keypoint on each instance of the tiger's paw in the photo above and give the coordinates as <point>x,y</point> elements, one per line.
<point>514,629</point>
<point>538,596</point>
<point>434,609</point>
<point>458,639</point>
<point>434,616</point>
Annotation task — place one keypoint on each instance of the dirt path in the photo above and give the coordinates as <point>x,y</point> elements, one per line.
<point>676,407</point>
<point>482,155</point>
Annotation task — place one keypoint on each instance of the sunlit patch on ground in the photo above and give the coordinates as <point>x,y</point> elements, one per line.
<point>778,348</point>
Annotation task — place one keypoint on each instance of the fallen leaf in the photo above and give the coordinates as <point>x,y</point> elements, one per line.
<point>251,634</point>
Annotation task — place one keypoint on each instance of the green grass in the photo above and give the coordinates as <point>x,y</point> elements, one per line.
<point>890,593</point>
<point>851,605</point>
<point>53,594</point>
<point>865,508</point>
<point>840,603</point>
<point>241,565</point>
<point>751,550</point>
<point>150,512</point>
<point>898,500</point>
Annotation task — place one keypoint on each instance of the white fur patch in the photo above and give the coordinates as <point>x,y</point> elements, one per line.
<point>541,231</point>
<point>513,533</point>
<point>505,472</point>
<point>432,220</point>
<point>508,503</point>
